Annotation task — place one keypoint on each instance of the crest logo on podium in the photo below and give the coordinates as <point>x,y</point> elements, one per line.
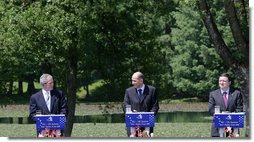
<point>139,116</point>
<point>229,117</point>
<point>50,119</point>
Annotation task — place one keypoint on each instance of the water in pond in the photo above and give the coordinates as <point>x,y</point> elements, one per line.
<point>119,118</point>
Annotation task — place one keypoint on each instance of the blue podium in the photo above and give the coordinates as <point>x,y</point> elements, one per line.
<point>139,119</point>
<point>50,125</point>
<point>142,119</point>
<point>50,122</point>
<point>224,120</point>
<point>234,120</point>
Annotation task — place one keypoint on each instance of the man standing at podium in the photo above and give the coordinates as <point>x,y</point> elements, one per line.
<point>141,97</point>
<point>48,100</point>
<point>227,98</point>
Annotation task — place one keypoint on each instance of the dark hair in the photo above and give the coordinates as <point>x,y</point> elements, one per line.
<point>225,75</point>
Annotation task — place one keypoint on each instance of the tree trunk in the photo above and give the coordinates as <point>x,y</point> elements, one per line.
<point>71,93</point>
<point>87,90</point>
<point>30,87</point>
<point>235,28</point>
<point>20,87</point>
<point>10,90</point>
<point>241,71</point>
<point>71,85</point>
<point>46,67</point>
<point>242,75</point>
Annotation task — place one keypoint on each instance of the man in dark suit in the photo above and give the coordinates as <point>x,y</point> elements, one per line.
<point>227,98</point>
<point>47,100</point>
<point>141,97</point>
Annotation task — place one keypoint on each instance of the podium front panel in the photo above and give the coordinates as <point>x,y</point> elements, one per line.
<point>142,119</point>
<point>50,122</point>
<point>234,120</point>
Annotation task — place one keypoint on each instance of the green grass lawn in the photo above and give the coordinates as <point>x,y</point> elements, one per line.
<point>104,130</point>
<point>81,93</point>
<point>115,130</point>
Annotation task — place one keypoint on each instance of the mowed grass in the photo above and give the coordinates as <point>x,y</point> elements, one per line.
<point>18,106</point>
<point>113,130</point>
<point>81,93</point>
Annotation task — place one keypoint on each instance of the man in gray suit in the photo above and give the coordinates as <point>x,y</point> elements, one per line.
<point>141,97</point>
<point>226,97</point>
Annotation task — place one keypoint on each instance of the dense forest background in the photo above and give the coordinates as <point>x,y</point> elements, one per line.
<point>82,41</point>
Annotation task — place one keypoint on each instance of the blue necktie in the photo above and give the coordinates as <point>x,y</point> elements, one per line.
<point>139,92</point>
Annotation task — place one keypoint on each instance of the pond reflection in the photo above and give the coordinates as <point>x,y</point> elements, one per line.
<point>120,118</point>
<point>183,117</point>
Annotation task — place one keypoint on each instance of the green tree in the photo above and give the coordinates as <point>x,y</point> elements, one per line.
<point>195,64</point>
<point>43,31</point>
<point>236,55</point>
<point>16,66</point>
<point>128,37</point>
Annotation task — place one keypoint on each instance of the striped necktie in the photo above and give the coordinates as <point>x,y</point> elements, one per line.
<point>48,100</point>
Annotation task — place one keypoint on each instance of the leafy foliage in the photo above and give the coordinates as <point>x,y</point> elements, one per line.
<point>112,39</point>
<point>195,64</point>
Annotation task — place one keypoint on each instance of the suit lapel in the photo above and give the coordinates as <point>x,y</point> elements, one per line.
<point>230,97</point>
<point>135,93</point>
<point>53,98</point>
<point>221,98</point>
<point>42,99</point>
<point>145,93</point>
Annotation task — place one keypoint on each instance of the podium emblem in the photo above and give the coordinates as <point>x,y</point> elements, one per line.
<point>50,122</point>
<point>234,120</point>
<point>142,119</point>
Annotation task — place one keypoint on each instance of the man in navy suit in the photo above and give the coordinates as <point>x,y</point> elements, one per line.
<point>47,100</point>
<point>226,97</point>
<point>141,97</point>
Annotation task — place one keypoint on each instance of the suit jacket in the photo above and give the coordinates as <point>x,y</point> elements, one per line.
<point>37,102</point>
<point>235,104</point>
<point>147,102</point>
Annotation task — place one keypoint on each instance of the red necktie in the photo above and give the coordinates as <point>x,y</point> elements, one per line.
<point>225,98</point>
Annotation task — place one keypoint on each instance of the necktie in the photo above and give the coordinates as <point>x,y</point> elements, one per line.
<point>48,100</point>
<point>139,92</point>
<point>225,98</point>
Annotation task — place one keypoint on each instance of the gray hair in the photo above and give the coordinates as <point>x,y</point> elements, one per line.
<point>45,78</point>
<point>139,75</point>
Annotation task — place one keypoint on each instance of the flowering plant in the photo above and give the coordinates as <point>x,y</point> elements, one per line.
<point>139,133</point>
<point>230,133</point>
<point>50,133</point>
